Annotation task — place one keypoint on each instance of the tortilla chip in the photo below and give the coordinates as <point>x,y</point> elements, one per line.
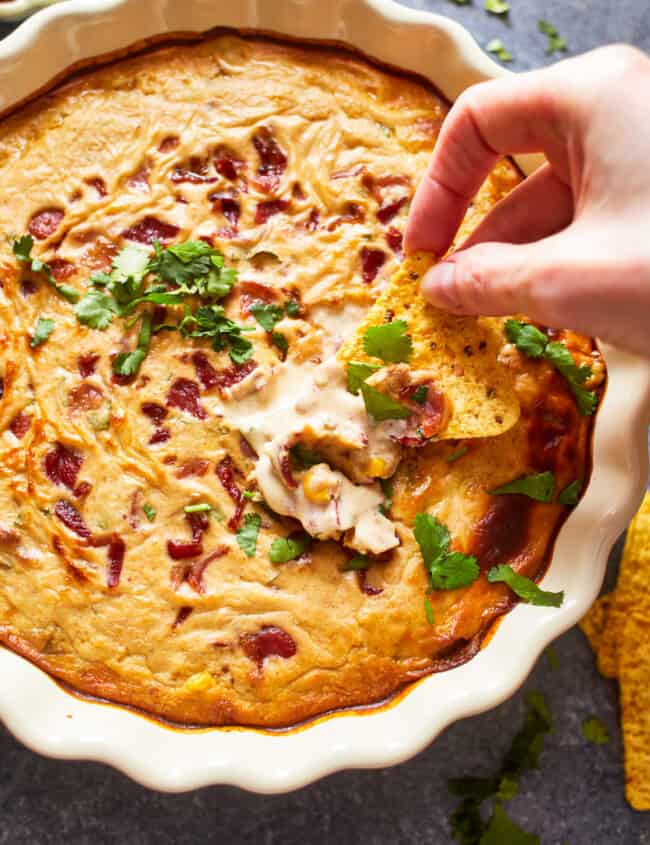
<point>593,626</point>
<point>461,351</point>
<point>635,707</point>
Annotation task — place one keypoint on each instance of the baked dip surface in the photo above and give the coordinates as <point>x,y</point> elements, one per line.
<point>189,235</point>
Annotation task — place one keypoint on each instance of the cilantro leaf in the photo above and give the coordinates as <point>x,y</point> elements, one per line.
<point>292,308</point>
<point>389,341</point>
<point>538,486</point>
<point>266,314</point>
<point>131,262</point>
<point>128,363</point>
<point>526,337</point>
<point>562,360</point>
<point>22,248</point>
<point>387,489</point>
<point>498,49</point>
<point>497,7</point>
<point>447,570</point>
<point>358,372</point>
<point>280,342</point>
<point>594,731</point>
<point>527,590</point>
<point>246,535</point>
<point>303,457</point>
<point>420,394</point>
<point>149,511</point>
<point>555,42</point>
<point>42,330</point>
<point>428,611</point>
<point>284,549</point>
<point>381,407</point>
<point>357,563</point>
<point>501,830</point>
<point>96,310</point>
<point>195,267</point>
<point>210,321</point>
<point>571,493</point>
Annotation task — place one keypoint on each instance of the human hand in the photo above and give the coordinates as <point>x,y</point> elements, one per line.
<point>570,247</point>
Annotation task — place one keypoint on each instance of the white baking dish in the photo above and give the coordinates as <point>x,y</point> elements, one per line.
<point>16,9</point>
<point>52,721</point>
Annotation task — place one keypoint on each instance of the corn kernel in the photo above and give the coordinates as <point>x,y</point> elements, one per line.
<point>318,485</point>
<point>199,682</point>
<point>376,466</point>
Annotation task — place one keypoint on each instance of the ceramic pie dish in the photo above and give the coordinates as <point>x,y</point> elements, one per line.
<point>12,10</point>
<point>173,759</point>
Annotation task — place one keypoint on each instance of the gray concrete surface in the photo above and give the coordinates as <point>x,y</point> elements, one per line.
<point>575,797</point>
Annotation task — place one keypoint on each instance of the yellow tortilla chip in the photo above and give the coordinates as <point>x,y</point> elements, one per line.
<point>634,666</point>
<point>460,351</point>
<point>593,626</point>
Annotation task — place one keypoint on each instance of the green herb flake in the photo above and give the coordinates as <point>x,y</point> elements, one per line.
<point>22,249</point>
<point>292,308</point>
<point>386,485</point>
<point>129,363</point>
<point>527,590</point>
<point>447,570</point>
<point>594,731</point>
<point>247,534</point>
<point>280,342</point>
<point>428,611</point>
<point>498,49</point>
<point>496,7</point>
<point>357,564</point>
<point>303,458</point>
<point>284,549</point>
<point>526,337</point>
<point>538,486</point>
<point>381,407</point>
<point>266,314</point>
<point>199,507</point>
<point>457,455</point>
<point>420,394</point>
<point>571,494</point>
<point>555,43</point>
<point>389,341</point>
<point>96,310</point>
<point>42,330</point>
<point>149,511</point>
<point>358,372</point>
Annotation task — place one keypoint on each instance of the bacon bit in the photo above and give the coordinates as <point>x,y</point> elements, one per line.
<point>229,207</point>
<point>235,520</point>
<point>196,571</point>
<point>61,269</point>
<point>228,165</point>
<point>313,220</point>
<point>44,223</point>
<point>394,240</point>
<point>235,374</point>
<point>123,381</point>
<point>181,550</point>
<point>98,184</point>
<point>28,287</point>
<point>71,518</point>
<point>374,184</point>
<point>87,364</point>
<point>160,435</point>
<point>20,425</point>
<point>82,490</point>
<point>286,470</point>
<point>116,549</point>
<point>246,449</point>
<point>269,208</point>
<point>2,387</point>
<point>168,144</point>
<point>154,411</point>
<point>134,509</point>
<point>139,180</point>
<point>371,262</point>
<point>387,210</point>
<point>181,616</point>
<point>184,394</point>
<point>353,213</point>
<point>297,192</point>
<point>150,229</point>
<point>195,172</point>
<point>273,160</point>
<point>85,397</point>
<point>250,292</point>
<point>366,588</point>
<point>62,466</point>
<point>225,471</point>
<point>205,372</point>
<point>199,524</point>
<point>193,466</point>
<point>269,641</point>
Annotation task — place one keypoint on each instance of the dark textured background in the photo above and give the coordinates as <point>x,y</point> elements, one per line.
<point>576,797</point>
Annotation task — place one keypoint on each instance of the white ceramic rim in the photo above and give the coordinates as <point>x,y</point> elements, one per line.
<point>53,722</point>
<point>16,9</point>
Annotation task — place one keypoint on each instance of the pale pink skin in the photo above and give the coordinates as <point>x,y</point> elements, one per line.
<point>570,247</point>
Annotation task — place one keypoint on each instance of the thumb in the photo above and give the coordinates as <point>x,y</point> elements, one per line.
<point>494,279</point>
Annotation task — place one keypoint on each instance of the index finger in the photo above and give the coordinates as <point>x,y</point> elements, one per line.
<point>518,114</point>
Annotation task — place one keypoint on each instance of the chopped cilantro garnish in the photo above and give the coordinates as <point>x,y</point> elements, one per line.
<point>386,485</point>
<point>199,507</point>
<point>357,563</point>
<point>389,341</point>
<point>284,549</point>
<point>292,308</point>
<point>526,337</point>
<point>594,731</point>
<point>210,321</point>
<point>22,249</point>
<point>457,455</point>
<point>247,534</point>
<point>303,458</point>
<point>420,394</point>
<point>96,310</point>
<point>498,49</point>
<point>266,314</point>
<point>555,42</point>
<point>428,611</point>
<point>497,7</point>
<point>571,493</point>
<point>280,342</point>
<point>381,407</point>
<point>42,330</point>
<point>128,363</point>
<point>538,486</point>
<point>527,590</point>
<point>195,268</point>
<point>447,570</point>
<point>149,511</point>
<point>358,372</point>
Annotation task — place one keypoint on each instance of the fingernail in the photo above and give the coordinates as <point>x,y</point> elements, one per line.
<point>438,284</point>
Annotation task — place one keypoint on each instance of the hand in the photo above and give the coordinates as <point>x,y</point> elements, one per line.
<point>570,247</point>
